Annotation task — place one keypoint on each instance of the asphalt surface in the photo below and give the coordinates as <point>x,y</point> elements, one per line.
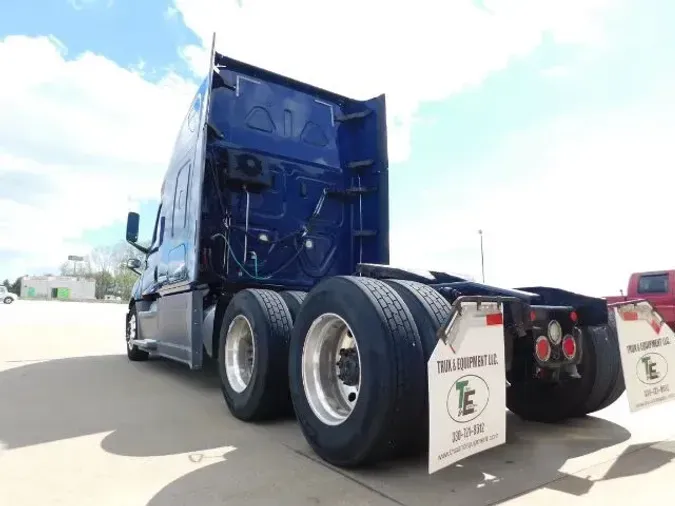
<point>81,425</point>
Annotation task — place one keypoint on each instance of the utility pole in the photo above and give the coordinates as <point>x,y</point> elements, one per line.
<point>482,255</point>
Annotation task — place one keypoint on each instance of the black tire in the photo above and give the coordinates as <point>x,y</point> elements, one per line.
<point>600,371</point>
<point>616,384</point>
<point>266,396</point>
<point>293,300</point>
<point>392,372</point>
<point>8,300</point>
<point>429,310</point>
<point>134,353</point>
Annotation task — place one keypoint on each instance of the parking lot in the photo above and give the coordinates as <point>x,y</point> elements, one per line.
<point>80,424</point>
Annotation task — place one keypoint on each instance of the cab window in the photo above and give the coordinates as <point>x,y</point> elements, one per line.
<point>653,283</point>
<point>156,233</point>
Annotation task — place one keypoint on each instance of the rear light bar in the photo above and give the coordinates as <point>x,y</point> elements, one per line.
<point>542,313</point>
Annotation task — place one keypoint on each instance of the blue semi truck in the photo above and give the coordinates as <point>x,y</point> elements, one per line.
<point>270,256</point>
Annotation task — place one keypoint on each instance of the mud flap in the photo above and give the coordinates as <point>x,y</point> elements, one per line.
<point>647,347</point>
<point>467,383</point>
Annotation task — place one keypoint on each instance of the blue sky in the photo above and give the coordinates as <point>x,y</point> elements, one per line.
<point>535,121</point>
<point>127,32</point>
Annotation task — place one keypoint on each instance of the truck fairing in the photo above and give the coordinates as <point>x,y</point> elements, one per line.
<point>298,176</point>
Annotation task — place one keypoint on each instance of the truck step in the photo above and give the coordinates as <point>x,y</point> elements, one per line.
<point>365,233</point>
<point>145,344</point>
<point>359,190</point>
<point>353,116</point>
<point>352,191</point>
<point>360,164</point>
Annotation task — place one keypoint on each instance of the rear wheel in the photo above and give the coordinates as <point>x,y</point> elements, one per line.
<point>293,300</point>
<point>134,353</point>
<point>601,383</point>
<point>607,392</point>
<point>8,300</point>
<point>253,355</point>
<point>356,371</point>
<point>430,311</point>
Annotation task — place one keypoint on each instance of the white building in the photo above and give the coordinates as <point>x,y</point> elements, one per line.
<point>57,287</point>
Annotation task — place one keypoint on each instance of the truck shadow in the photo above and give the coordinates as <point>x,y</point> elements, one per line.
<point>161,408</point>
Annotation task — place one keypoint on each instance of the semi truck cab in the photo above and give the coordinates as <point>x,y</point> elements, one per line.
<point>270,255</point>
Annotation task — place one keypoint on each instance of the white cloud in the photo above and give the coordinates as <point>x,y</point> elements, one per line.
<point>80,140</point>
<point>556,71</point>
<point>414,51</point>
<point>589,175</point>
<point>84,138</point>
<point>170,12</point>
<point>594,208</point>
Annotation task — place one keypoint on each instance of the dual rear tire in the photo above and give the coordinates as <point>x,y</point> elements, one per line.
<point>369,408</point>
<point>600,385</point>
<point>349,359</point>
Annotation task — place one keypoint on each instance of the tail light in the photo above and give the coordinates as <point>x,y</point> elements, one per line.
<point>569,347</point>
<point>542,349</point>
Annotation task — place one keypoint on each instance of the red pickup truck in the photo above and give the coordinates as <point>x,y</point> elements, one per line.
<point>658,287</point>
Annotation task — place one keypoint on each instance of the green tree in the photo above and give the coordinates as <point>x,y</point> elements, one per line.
<point>13,287</point>
<point>105,283</point>
<point>108,265</point>
<point>16,286</point>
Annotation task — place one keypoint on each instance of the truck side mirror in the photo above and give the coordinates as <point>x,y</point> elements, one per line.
<point>133,263</point>
<point>133,220</point>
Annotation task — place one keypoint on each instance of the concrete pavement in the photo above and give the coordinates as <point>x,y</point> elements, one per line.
<point>79,424</point>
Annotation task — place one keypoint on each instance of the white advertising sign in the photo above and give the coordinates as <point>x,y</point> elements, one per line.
<point>467,386</point>
<point>647,355</point>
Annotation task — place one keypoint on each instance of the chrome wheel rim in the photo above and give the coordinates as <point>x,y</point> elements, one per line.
<point>239,353</point>
<point>331,369</point>
<point>131,334</point>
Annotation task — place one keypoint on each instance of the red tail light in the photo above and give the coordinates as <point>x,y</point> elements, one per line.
<point>494,319</point>
<point>542,348</point>
<point>569,347</point>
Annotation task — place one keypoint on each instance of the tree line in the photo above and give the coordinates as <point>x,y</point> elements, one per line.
<point>106,265</point>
